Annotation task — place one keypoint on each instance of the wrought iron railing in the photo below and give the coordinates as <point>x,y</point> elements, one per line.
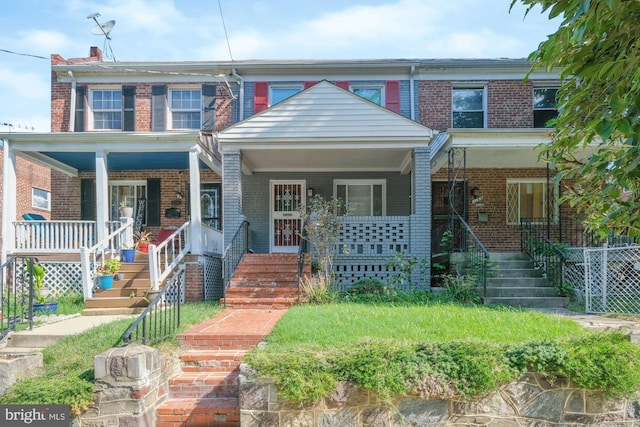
<point>17,293</point>
<point>161,318</point>
<point>238,246</point>
<point>303,251</point>
<point>475,254</point>
<point>546,255</point>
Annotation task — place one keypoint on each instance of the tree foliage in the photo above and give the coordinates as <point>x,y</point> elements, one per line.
<point>595,143</point>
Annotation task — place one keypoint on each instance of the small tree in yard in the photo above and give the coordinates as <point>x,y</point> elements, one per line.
<point>322,229</point>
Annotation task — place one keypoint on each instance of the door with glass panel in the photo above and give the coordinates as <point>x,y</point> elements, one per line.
<point>286,198</point>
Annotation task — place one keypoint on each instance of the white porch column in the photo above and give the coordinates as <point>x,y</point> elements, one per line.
<point>9,200</point>
<point>102,195</point>
<point>195,230</point>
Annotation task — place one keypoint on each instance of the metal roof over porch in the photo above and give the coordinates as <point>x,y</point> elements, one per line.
<point>325,128</point>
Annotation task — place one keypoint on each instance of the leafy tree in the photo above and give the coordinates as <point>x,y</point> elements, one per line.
<point>595,146</point>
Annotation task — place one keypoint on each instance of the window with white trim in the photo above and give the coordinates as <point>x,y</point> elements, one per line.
<point>185,108</point>
<point>529,198</point>
<point>468,107</point>
<point>373,93</point>
<point>40,199</point>
<point>278,93</point>
<point>106,107</point>
<point>544,106</point>
<point>125,193</point>
<point>362,197</point>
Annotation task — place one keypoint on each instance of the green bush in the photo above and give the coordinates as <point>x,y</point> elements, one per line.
<point>537,356</point>
<point>461,289</point>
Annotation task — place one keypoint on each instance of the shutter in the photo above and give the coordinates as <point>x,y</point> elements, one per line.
<point>260,96</point>
<point>128,108</point>
<point>392,96</point>
<point>158,108</point>
<point>208,107</point>
<point>81,93</point>
<point>153,202</point>
<point>87,199</point>
<point>344,84</point>
<point>307,85</point>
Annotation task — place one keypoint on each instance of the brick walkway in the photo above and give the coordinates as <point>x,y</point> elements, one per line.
<point>206,392</point>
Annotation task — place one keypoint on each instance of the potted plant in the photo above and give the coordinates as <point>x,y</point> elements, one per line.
<point>127,253</point>
<point>106,271</point>
<point>142,240</point>
<point>125,211</point>
<point>43,304</point>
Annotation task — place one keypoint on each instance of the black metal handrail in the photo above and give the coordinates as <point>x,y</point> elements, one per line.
<point>476,255</point>
<point>303,250</point>
<point>17,293</point>
<point>161,318</point>
<point>238,246</point>
<point>546,255</point>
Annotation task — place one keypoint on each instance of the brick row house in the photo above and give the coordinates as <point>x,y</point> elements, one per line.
<point>411,146</point>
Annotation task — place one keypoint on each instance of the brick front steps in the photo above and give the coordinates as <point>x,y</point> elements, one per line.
<point>205,393</point>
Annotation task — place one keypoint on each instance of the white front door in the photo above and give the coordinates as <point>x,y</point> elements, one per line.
<point>286,222</point>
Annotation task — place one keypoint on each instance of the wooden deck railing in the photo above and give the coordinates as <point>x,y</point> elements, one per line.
<point>56,236</point>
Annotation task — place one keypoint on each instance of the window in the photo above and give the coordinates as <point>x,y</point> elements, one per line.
<point>374,94</point>
<point>40,199</point>
<point>107,109</point>
<point>544,106</point>
<point>528,198</point>
<point>186,108</point>
<point>468,107</point>
<point>362,197</point>
<point>127,193</point>
<point>210,205</point>
<point>280,93</point>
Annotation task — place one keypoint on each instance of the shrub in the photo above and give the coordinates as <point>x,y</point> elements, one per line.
<point>537,356</point>
<point>461,289</point>
<point>317,289</point>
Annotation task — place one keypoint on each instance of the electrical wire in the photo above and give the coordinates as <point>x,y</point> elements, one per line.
<point>24,54</point>
<point>225,30</point>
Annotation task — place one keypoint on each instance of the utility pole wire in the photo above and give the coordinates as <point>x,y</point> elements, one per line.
<point>225,30</point>
<point>23,54</point>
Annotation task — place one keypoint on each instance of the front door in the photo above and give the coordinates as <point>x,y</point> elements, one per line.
<point>286,221</point>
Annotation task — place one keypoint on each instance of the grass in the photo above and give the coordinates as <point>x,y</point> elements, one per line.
<point>340,325</point>
<point>68,377</point>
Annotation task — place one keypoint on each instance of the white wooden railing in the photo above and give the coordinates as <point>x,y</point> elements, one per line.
<point>167,255</point>
<point>56,236</point>
<point>212,240</point>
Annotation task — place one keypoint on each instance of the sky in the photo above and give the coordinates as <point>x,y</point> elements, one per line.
<point>194,30</point>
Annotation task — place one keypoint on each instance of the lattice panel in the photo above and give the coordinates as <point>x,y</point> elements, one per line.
<point>177,281</point>
<point>364,236</point>
<point>62,278</point>
<point>612,280</point>
<point>212,278</point>
<point>349,271</point>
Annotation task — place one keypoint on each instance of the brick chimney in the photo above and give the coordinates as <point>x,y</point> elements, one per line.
<point>95,52</point>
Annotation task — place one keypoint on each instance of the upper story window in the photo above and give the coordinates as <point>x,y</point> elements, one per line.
<point>468,107</point>
<point>185,108</point>
<point>362,197</point>
<point>374,94</point>
<point>106,105</point>
<point>278,93</point>
<point>40,199</point>
<point>544,106</point>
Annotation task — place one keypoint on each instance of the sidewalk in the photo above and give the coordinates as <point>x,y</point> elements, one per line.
<point>50,333</point>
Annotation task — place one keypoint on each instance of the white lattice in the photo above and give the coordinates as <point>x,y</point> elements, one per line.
<point>212,278</point>
<point>62,278</point>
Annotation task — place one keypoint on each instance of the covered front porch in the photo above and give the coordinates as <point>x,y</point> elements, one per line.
<point>159,175</point>
<point>326,141</point>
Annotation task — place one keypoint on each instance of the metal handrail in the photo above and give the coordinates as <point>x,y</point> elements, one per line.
<point>303,250</point>
<point>478,258</point>
<point>161,318</point>
<point>232,255</point>
<point>545,254</point>
<point>17,293</point>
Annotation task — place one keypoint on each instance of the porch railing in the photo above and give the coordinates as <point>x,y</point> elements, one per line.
<point>55,236</point>
<point>546,255</point>
<point>238,246</point>
<point>161,318</point>
<point>303,251</point>
<point>374,236</point>
<point>476,255</point>
<point>17,293</point>
<point>167,255</point>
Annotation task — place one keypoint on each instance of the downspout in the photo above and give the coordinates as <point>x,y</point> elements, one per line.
<point>72,103</point>
<point>411,95</point>
<point>240,93</point>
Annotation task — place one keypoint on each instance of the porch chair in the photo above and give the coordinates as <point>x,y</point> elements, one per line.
<point>163,235</point>
<point>33,217</point>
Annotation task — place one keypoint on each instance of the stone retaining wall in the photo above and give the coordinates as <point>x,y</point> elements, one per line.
<point>532,401</point>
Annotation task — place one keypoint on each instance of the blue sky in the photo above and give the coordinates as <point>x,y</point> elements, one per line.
<point>174,30</point>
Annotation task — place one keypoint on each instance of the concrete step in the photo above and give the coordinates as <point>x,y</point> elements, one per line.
<point>533,302</point>
<point>220,412</point>
<point>522,292</point>
<point>500,282</point>
<point>515,272</point>
<point>507,256</point>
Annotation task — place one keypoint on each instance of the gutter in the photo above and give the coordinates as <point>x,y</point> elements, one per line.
<point>412,73</point>
<point>72,103</point>
<point>240,93</point>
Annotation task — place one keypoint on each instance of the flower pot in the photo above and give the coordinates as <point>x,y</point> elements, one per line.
<point>128,255</point>
<point>118,276</point>
<point>143,247</point>
<point>45,308</point>
<point>105,282</point>
<point>126,212</point>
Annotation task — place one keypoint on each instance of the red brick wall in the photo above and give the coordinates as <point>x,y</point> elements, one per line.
<point>60,97</point>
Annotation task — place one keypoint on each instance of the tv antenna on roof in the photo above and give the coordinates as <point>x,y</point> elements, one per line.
<point>105,30</point>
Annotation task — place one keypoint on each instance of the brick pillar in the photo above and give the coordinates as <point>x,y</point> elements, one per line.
<point>421,214</point>
<point>231,193</point>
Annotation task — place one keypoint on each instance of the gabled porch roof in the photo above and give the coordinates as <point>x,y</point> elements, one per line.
<point>325,128</point>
